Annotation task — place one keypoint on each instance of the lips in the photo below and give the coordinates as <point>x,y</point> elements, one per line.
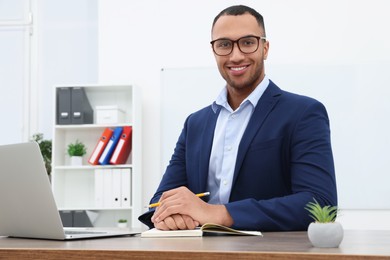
<point>238,70</point>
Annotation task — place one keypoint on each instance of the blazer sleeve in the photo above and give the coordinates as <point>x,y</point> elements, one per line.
<point>311,168</point>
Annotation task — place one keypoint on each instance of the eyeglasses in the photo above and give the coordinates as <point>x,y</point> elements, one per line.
<point>247,44</point>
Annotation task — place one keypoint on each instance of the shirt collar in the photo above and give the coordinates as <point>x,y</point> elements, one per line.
<point>253,98</point>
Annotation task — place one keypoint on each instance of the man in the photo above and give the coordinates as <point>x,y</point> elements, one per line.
<point>261,152</point>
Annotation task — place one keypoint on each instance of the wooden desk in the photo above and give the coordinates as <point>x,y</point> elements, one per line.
<point>282,245</point>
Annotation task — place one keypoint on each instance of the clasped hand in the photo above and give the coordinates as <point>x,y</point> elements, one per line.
<point>180,209</point>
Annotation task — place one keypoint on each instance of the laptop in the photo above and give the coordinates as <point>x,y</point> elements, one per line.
<point>27,205</point>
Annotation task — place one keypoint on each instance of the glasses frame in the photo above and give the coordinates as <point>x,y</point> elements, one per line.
<point>236,42</point>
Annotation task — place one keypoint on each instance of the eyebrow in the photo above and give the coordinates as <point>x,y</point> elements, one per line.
<point>226,38</point>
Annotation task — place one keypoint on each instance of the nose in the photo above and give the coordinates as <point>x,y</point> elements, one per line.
<point>236,53</point>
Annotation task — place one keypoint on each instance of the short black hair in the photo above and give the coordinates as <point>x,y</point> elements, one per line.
<point>240,10</point>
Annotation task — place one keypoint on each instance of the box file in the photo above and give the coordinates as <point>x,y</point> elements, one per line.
<point>63,106</point>
<point>107,188</point>
<point>99,188</point>
<point>75,218</point>
<point>73,106</point>
<point>126,188</point>
<point>110,147</point>
<point>100,146</point>
<point>66,218</point>
<point>116,188</point>
<point>123,148</point>
<point>81,110</point>
<point>81,219</point>
<point>113,188</point>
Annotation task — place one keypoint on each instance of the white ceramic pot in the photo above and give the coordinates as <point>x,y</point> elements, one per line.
<point>122,225</point>
<point>76,160</point>
<point>325,234</point>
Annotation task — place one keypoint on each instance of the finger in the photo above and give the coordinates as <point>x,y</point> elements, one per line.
<point>161,225</point>
<point>155,214</point>
<point>167,194</point>
<point>180,191</point>
<point>169,221</point>
<point>166,211</point>
<point>189,222</point>
<point>179,221</point>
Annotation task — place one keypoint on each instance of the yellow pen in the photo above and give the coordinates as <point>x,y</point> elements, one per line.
<point>153,205</point>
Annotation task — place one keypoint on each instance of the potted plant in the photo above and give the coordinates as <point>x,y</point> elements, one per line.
<point>76,151</point>
<point>325,231</point>
<point>122,223</point>
<point>46,147</point>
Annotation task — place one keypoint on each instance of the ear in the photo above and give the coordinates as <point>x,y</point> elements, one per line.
<point>265,50</point>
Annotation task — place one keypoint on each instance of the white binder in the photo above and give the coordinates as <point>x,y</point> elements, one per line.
<point>107,188</point>
<point>99,187</point>
<point>116,188</point>
<point>126,187</point>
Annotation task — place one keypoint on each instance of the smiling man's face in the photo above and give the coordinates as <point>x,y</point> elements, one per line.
<point>242,72</point>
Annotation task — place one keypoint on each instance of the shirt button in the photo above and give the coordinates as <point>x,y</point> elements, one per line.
<point>229,148</point>
<point>233,116</point>
<point>225,182</point>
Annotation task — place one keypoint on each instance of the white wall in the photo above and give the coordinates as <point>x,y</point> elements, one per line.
<point>15,53</point>
<point>138,38</point>
<point>67,51</point>
<point>60,48</point>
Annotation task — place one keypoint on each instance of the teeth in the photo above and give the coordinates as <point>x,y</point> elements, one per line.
<point>238,68</point>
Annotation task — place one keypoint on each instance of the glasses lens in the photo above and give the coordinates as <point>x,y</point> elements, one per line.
<point>248,44</point>
<point>223,47</point>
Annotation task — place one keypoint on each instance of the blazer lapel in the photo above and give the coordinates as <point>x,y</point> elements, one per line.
<point>207,141</point>
<point>263,107</point>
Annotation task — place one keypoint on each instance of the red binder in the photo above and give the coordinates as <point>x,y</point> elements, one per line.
<point>102,142</point>
<point>123,148</point>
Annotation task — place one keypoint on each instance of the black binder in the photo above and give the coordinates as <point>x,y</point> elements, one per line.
<point>63,106</point>
<point>75,218</point>
<point>81,110</point>
<point>66,218</point>
<point>81,219</point>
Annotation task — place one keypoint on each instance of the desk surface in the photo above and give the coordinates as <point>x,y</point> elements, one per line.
<point>275,245</point>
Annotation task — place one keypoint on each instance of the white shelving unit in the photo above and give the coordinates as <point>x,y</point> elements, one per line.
<point>74,186</point>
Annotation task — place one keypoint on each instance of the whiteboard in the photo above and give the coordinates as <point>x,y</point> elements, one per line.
<point>357,98</point>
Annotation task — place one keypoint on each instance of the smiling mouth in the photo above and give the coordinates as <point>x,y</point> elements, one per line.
<point>238,68</point>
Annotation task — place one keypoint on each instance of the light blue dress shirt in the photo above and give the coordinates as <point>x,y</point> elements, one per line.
<point>227,136</point>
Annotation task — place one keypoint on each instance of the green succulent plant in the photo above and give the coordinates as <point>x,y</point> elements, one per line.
<point>320,214</point>
<point>77,149</point>
<point>122,220</point>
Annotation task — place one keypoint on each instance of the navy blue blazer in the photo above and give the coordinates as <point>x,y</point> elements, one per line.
<point>284,160</point>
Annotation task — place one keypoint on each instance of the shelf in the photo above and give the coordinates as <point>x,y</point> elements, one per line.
<point>90,126</point>
<point>96,209</point>
<point>91,167</point>
<point>99,188</point>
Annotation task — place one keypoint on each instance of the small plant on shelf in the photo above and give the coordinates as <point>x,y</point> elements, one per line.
<point>77,149</point>
<point>76,152</point>
<point>122,223</point>
<point>46,147</point>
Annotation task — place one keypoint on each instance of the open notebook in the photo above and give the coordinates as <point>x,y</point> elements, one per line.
<point>27,206</point>
<point>208,228</point>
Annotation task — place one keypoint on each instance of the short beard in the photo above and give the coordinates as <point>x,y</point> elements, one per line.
<point>251,83</point>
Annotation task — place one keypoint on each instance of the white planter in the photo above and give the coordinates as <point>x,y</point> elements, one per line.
<point>76,160</point>
<point>122,225</point>
<point>325,234</point>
